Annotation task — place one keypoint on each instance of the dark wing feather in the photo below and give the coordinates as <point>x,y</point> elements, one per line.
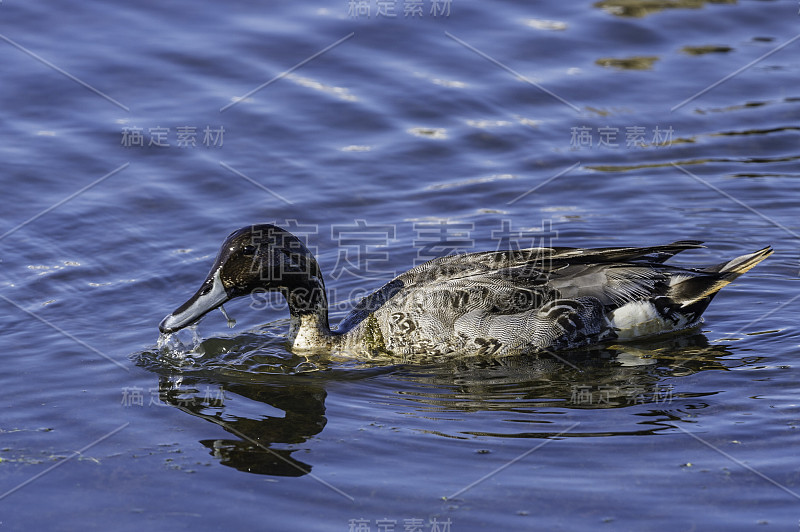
<point>515,280</point>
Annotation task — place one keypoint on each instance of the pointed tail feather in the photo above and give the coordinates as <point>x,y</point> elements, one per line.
<point>698,291</point>
<point>739,265</point>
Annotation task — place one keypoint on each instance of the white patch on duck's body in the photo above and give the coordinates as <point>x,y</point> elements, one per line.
<point>307,333</point>
<point>642,318</point>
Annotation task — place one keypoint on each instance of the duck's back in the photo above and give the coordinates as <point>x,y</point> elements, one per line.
<point>535,299</point>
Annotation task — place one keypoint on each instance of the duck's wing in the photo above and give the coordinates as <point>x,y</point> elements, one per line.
<point>650,254</point>
<point>616,277</point>
<point>613,275</point>
<point>544,258</point>
<point>536,274</point>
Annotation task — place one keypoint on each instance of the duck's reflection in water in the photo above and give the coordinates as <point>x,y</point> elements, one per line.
<point>611,377</point>
<point>301,416</point>
<point>265,413</point>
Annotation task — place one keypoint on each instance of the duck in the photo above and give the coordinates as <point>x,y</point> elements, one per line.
<point>496,303</point>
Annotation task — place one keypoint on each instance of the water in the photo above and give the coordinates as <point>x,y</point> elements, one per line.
<point>406,123</point>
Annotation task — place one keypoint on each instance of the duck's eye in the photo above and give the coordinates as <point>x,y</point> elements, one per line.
<point>249,250</point>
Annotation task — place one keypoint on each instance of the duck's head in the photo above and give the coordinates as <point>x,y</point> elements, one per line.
<point>255,258</point>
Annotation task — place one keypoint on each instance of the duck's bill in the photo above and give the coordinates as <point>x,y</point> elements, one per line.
<point>211,295</point>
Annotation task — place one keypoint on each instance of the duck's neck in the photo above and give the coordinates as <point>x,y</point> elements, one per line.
<point>308,309</point>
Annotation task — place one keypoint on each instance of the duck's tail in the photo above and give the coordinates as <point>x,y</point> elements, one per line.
<point>736,267</point>
<point>696,292</point>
